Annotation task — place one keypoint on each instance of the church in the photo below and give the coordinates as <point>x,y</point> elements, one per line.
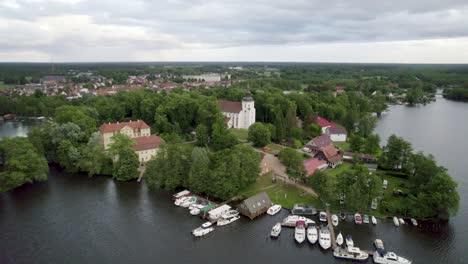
<point>239,114</point>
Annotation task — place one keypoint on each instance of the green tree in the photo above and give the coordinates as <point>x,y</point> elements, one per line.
<point>367,124</point>
<point>81,116</point>
<point>259,134</point>
<point>121,143</point>
<point>68,156</point>
<point>199,175</point>
<point>126,167</point>
<point>293,161</point>
<point>324,184</point>
<point>396,154</point>
<point>94,159</point>
<point>202,136</point>
<point>221,137</point>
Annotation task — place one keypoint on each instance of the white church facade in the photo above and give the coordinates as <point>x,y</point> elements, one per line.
<point>239,114</point>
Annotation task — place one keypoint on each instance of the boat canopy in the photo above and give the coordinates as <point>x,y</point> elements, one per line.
<point>207,208</point>
<point>354,250</point>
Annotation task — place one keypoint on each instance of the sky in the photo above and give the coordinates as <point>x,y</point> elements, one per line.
<point>396,31</point>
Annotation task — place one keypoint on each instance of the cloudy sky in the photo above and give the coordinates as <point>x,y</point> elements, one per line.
<point>401,31</point>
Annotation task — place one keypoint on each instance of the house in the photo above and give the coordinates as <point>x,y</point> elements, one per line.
<point>319,142</point>
<point>365,158</point>
<point>337,133</point>
<point>313,164</point>
<point>338,90</point>
<point>239,114</point>
<point>256,205</point>
<point>331,155</point>
<point>324,123</point>
<point>146,145</point>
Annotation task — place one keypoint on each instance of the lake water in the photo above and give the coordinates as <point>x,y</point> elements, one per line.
<point>76,219</point>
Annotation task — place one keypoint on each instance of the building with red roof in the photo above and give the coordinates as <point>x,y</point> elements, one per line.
<point>317,143</point>
<point>313,164</point>
<point>331,155</point>
<point>324,123</point>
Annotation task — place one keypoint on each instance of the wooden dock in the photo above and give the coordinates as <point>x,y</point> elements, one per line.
<point>332,230</point>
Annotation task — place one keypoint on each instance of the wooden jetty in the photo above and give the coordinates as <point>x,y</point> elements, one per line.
<point>332,230</point>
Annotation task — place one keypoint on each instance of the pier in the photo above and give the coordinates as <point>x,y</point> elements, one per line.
<point>332,230</point>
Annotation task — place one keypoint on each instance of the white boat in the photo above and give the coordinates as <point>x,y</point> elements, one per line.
<point>230,213</point>
<point>207,224</point>
<point>180,194</point>
<point>389,258</point>
<point>334,219</point>
<point>402,222</point>
<point>374,220</point>
<point>274,209</point>
<point>312,234</point>
<point>226,221</point>
<point>198,232</point>
<point>339,239</point>
<point>349,241</point>
<point>324,238</point>
<point>357,219</point>
<point>395,221</point>
<point>195,211</point>
<point>323,217</point>
<point>350,253</point>
<point>291,220</point>
<point>365,219</point>
<point>180,200</point>
<point>378,244</point>
<point>414,222</point>
<point>299,232</point>
<point>189,201</point>
<point>276,230</point>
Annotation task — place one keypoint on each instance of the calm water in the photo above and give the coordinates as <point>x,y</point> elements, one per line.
<point>76,219</point>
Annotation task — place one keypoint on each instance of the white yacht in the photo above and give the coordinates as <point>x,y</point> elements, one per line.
<point>180,200</point>
<point>274,209</point>
<point>230,213</point>
<point>349,241</point>
<point>395,221</point>
<point>312,234</point>
<point>334,219</point>
<point>324,238</point>
<point>414,222</point>
<point>189,202</point>
<point>379,246</point>
<point>276,230</point>
<point>374,220</point>
<point>339,239</point>
<point>195,211</point>
<point>402,222</point>
<point>350,253</point>
<point>389,258</point>
<point>225,221</point>
<point>207,224</point>
<point>198,232</point>
<point>299,232</point>
<point>291,220</point>
<point>323,216</point>
<point>357,218</point>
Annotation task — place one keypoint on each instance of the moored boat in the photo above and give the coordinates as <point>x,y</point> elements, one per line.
<point>180,194</point>
<point>299,232</point>
<point>365,219</point>
<point>206,224</point>
<point>414,222</point>
<point>389,258</point>
<point>198,232</point>
<point>395,221</point>
<point>334,219</point>
<point>189,201</point>
<point>274,209</point>
<point>195,211</point>
<point>357,219</point>
<point>312,234</point>
<point>276,230</point>
<point>230,213</point>
<point>402,222</point>
<point>378,244</point>
<point>350,253</point>
<point>292,219</point>
<point>324,237</point>
<point>181,200</point>
<point>374,220</point>
<point>339,239</point>
<point>349,241</point>
<point>323,216</point>
<point>226,221</point>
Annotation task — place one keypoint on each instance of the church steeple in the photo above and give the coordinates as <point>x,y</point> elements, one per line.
<point>248,97</point>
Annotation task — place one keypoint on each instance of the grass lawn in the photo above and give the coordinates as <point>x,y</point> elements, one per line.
<point>337,170</point>
<point>342,145</point>
<point>273,148</point>
<point>280,193</point>
<point>241,134</point>
<point>6,86</point>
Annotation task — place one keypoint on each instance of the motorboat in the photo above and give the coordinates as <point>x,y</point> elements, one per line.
<point>349,241</point>
<point>402,222</point>
<point>395,221</point>
<point>374,220</point>
<point>225,221</point>
<point>323,216</point>
<point>350,253</point>
<point>276,230</point>
<point>180,194</point>
<point>312,234</point>
<point>207,224</point>
<point>180,200</point>
<point>324,237</point>
<point>299,232</point>
<point>389,258</point>
<point>357,219</point>
<point>414,222</point>
<point>230,213</point>
<point>198,232</point>
<point>334,219</point>
<point>378,244</point>
<point>365,219</point>
<point>195,211</point>
<point>339,239</point>
<point>292,219</point>
<point>189,201</point>
<point>274,209</point>
<point>343,216</point>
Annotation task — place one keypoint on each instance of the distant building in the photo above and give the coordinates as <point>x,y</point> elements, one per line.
<point>239,114</point>
<point>255,205</point>
<point>53,78</point>
<point>146,144</point>
<point>337,133</point>
<point>339,90</point>
<point>206,77</point>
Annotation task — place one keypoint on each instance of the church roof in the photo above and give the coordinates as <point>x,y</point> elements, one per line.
<point>230,106</point>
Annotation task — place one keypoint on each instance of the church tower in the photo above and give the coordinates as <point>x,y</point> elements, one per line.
<point>248,110</point>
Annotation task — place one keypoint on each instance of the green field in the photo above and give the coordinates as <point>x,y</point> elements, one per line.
<point>342,145</point>
<point>339,169</point>
<point>6,86</point>
<point>280,193</point>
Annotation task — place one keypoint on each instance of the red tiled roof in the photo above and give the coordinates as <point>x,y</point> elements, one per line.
<point>323,122</point>
<point>145,143</point>
<point>339,89</point>
<point>320,141</point>
<point>112,127</point>
<point>331,153</point>
<point>230,106</point>
<point>312,164</point>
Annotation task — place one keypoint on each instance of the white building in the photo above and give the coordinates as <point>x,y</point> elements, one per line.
<point>206,77</point>
<point>337,134</point>
<point>239,114</point>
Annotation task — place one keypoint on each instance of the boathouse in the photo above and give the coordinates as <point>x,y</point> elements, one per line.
<point>255,205</point>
